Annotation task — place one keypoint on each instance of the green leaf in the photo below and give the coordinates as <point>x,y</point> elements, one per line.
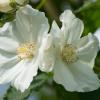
<point>37,83</point>
<point>90,16</point>
<point>6,18</point>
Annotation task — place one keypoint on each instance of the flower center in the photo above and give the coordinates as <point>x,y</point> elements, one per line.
<point>26,50</point>
<point>68,54</point>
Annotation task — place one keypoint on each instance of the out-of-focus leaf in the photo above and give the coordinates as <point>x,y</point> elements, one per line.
<point>65,95</point>
<point>6,18</point>
<point>38,82</point>
<point>91,17</point>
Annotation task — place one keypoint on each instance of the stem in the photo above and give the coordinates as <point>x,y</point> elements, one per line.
<point>41,4</point>
<point>84,7</point>
<point>52,11</point>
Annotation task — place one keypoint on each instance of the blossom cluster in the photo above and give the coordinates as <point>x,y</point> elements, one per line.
<point>27,45</point>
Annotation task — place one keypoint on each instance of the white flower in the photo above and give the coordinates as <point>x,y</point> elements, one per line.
<point>5,5</point>
<point>97,34</point>
<point>20,47</point>
<point>75,56</point>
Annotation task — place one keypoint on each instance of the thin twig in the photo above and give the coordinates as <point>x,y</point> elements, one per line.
<point>41,4</point>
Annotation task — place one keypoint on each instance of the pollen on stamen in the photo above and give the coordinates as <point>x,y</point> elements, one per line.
<point>26,50</point>
<point>68,54</point>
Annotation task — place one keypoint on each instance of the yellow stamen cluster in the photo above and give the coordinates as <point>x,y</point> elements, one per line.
<point>26,50</point>
<point>68,54</point>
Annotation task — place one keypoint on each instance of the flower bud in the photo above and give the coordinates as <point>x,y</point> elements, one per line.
<point>4,6</point>
<point>8,5</point>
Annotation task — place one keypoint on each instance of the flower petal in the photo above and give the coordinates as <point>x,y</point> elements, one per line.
<point>75,30</point>
<point>97,34</point>
<point>88,47</point>
<point>8,70</point>
<point>5,56</point>
<point>66,17</point>
<point>30,22</point>
<point>9,30</point>
<point>46,52</point>
<point>8,44</point>
<point>63,76</point>
<point>58,36</point>
<point>28,25</point>
<point>55,30</point>
<point>76,77</point>
<point>86,79</point>
<point>4,28</point>
<point>7,40</point>
<point>72,27</point>
<point>24,79</point>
